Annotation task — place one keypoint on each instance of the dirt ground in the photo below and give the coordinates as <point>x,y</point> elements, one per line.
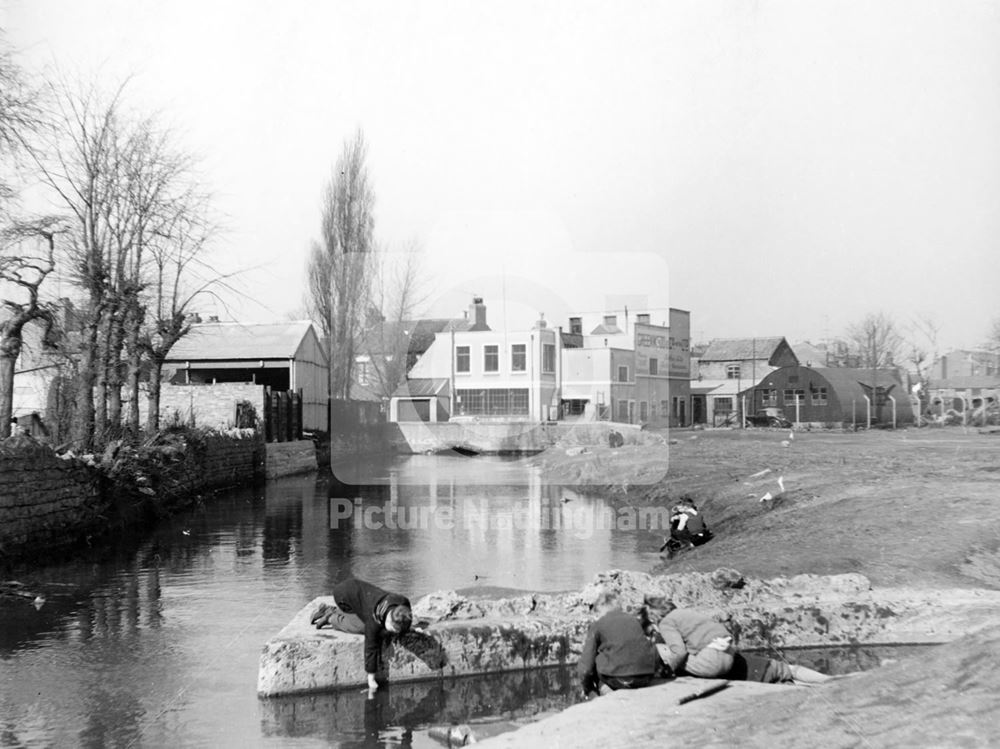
<point>910,509</point>
<point>914,507</point>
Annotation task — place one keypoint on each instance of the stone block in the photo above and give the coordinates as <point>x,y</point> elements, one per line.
<point>303,659</point>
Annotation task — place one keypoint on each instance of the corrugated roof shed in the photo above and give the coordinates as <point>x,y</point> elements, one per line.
<point>231,341</point>
<point>741,349</point>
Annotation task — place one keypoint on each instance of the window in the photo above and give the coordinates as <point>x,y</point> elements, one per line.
<point>462,358</point>
<point>611,321</point>
<point>491,358</point>
<point>623,411</point>
<point>497,402</point>
<point>493,402</point>
<point>768,397</point>
<point>643,411</point>
<point>363,373</point>
<point>654,366</point>
<point>664,407</point>
<point>622,373</point>
<point>549,358</point>
<point>518,357</point>
<point>574,407</point>
<point>791,396</point>
<point>819,396</point>
<point>576,325</point>
<point>723,405</point>
<point>732,371</point>
<point>642,318</point>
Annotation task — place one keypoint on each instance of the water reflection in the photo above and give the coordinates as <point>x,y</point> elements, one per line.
<point>154,639</point>
<point>348,718</point>
<point>424,527</point>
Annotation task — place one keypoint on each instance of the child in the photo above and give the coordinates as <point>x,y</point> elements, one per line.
<point>363,608</point>
<point>616,654</point>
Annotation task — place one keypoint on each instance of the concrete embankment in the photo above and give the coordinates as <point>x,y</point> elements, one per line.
<point>468,635</point>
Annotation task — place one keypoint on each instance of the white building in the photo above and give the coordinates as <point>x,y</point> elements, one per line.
<point>632,371</point>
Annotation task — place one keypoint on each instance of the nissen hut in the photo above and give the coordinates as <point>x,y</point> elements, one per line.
<point>828,396</point>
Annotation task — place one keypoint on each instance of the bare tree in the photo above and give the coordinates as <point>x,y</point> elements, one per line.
<point>341,263</point>
<point>993,336</point>
<point>179,278</point>
<point>19,119</point>
<point>397,295</point>
<point>877,344</point>
<point>124,184</point>
<point>26,273</point>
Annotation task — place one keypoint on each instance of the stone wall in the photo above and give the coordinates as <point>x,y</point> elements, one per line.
<point>229,461</point>
<point>47,501</point>
<point>44,500</point>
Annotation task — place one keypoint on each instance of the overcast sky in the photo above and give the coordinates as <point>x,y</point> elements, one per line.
<point>776,168</point>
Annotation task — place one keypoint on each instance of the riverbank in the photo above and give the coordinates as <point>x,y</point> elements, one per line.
<point>915,509</point>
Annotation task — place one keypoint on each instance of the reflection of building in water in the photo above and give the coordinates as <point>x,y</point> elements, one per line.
<point>529,534</point>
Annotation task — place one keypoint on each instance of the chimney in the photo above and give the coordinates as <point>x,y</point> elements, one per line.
<point>477,314</point>
<point>540,324</point>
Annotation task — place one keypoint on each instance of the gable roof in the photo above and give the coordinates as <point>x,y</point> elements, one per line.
<point>227,341</point>
<point>810,355</point>
<point>418,333</point>
<point>742,349</point>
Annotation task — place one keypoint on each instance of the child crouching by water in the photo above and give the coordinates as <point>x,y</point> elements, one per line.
<point>698,645</point>
<point>616,654</point>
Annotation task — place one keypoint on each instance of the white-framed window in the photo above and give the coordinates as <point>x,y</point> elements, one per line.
<point>793,396</point>
<point>733,371</point>
<point>819,396</point>
<point>768,397</point>
<point>462,358</point>
<point>518,357</point>
<point>491,358</point>
<point>723,405</point>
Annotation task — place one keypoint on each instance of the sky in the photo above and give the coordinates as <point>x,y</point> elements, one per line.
<point>775,167</point>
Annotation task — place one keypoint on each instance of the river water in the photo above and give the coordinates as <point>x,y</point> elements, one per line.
<point>154,642</point>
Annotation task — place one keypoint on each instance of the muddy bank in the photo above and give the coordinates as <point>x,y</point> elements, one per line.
<point>944,698</point>
<point>914,507</point>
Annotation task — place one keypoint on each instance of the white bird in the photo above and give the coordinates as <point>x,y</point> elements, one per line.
<point>766,497</point>
<point>186,533</point>
<point>791,435</point>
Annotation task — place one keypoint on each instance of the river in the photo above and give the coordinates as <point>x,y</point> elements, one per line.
<point>154,641</point>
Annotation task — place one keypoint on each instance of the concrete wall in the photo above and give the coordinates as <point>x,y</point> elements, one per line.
<point>212,406</point>
<point>289,458</point>
<point>43,499</point>
<point>416,437</point>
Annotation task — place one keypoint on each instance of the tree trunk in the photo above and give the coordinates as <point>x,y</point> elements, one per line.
<point>6,388</point>
<point>153,417</point>
<point>83,425</point>
<point>134,367</point>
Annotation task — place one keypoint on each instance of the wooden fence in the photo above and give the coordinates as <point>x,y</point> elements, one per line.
<point>282,415</point>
